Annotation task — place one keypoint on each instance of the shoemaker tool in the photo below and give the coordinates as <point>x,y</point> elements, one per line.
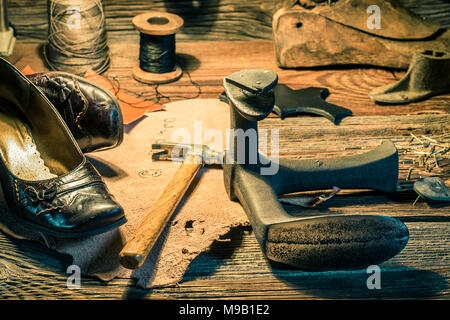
<point>427,76</point>
<point>308,100</point>
<point>139,246</point>
<point>317,243</point>
<point>353,36</point>
<point>432,189</point>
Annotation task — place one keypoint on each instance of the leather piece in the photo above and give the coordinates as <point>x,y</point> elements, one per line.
<point>211,217</point>
<point>91,112</point>
<point>76,202</point>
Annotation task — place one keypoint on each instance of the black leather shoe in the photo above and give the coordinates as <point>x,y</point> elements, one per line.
<point>46,180</point>
<point>91,112</point>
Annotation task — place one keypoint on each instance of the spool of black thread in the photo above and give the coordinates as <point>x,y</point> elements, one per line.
<point>157,52</point>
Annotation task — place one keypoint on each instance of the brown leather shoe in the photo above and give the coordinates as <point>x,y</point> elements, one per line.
<point>46,180</point>
<point>91,112</point>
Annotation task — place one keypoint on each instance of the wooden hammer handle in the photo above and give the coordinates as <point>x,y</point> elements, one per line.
<point>138,247</point>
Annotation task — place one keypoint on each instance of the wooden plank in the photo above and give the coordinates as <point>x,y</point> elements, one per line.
<point>204,20</point>
<point>227,19</point>
<point>236,269</point>
<point>310,137</point>
<point>348,87</point>
<point>263,278</point>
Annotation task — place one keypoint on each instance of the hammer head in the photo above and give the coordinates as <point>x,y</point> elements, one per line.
<point>170,151</point>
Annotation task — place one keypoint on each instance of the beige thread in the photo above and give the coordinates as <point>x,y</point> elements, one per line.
<point>58,207</point>
<point>42,211</point>
<point>52,208</point>
<point>17,190</point>
<point>82,112</point>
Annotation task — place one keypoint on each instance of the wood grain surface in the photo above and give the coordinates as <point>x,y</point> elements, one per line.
<point>204,20</point>
<point>203,64</point>
<point>234,267</point>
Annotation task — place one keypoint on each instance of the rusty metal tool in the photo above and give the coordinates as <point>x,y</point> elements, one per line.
<point>432,189</point>
<point>317,243</point>
<point>427,76</point>
<point>138,247</point>
<point>307,100</point>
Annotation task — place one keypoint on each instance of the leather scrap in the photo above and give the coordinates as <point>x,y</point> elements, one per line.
<point>309,100</point>
<point>28,70</point>
<point>136,182</point>
<point>132,108</point>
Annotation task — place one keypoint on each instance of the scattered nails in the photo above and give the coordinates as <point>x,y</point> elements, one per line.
<point>415,201</point>
<point>428,152</point>
<point>409,174</point>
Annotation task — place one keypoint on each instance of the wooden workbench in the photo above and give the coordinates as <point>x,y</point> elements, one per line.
<point>236,267</point>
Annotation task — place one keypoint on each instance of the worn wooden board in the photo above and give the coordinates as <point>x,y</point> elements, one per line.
<point>204,20</point>
<point>348,87</point>
<point>235,266</point>
<point>236,261</point>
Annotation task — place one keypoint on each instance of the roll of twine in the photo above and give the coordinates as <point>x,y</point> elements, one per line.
<point>77,39</point>
<point>157,53</point>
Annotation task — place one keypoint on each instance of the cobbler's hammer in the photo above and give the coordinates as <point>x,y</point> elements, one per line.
<point>315,243</point>
<point>193,157</point>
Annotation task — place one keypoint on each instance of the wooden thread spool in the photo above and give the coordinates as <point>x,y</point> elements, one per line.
<point>157,24</point>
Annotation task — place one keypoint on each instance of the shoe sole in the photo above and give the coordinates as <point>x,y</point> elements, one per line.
<point>66,235</point>
<point>69,235</point>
